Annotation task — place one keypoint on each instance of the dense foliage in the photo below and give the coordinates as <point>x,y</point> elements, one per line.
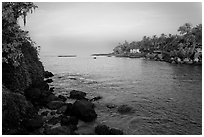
<point>13,36</point>
<point>183,45</point>
<point>21,67</point>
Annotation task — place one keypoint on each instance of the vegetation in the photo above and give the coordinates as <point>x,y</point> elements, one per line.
<point>183,46</point>
<point>20,63</point>
<point>13,36</point>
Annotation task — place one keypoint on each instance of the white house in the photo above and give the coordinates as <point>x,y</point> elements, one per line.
<point>135,51</point>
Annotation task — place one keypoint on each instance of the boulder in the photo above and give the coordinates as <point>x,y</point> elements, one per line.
<point>52,113</point>
<point>96,98</point>
<point>55,104</point>
<point>114,131</point>
<point>102,130</point>
<point>63,98</point>
<point>51,97</point>
<point>44,113</point>
<point>52,89</point>
<point>61,130</point>
<point>65,121</point>
<point>84,110</point>
<point>69,120</point>
<point>105,130</point>
<point>34,123</point>
<point>62,109</point>
<point>124,109</point>
<point>54,120</point>
<point>75,94</point>
<point>49,80</point>
<point>69,109</point>
<point>48,74</point>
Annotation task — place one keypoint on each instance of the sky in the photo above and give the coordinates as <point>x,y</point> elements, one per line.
<point>84,28</point>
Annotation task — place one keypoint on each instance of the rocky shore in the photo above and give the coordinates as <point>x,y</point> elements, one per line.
<point>167,58</point>
<point>37,110</point>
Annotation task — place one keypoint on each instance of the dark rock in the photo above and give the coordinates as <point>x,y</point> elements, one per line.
<point>44,113</point>
<point>63,98</point>
<point>52,89</point>
<point>54,120</point>
<point>51,97</point>
<point>124,109</point>
<point>69,120</point>
<point>84,110</point>
<point>61,130</point>
<point>65,121</point>
<point>34,123</point>
<point>52,113</point>
<point>69,109</point>
<point>96,98</point>
<point>114,131</point>
<point>62,109</point>
<point>102,130</point>
<point>73,127</point>
<point>55,104</point>
<point>49,80</point>
<point>75,94</point>
<point>73,120</point>
<point>105,130</point>
<point>48,74</point>
<point>73,78</point>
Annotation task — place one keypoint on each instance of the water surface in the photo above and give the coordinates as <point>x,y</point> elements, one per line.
<point>166,98</point>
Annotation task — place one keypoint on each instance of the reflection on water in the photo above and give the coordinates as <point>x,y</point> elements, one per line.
<point>166,98</point>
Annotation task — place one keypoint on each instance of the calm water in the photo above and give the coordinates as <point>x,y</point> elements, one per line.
<point>166,98</point>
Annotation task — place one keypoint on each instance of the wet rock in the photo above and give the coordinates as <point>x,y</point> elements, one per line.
<point>69,109</point>
<point>105,130</point>
<point>52,89</point>
<point>73,78</point>
<point>51,97</point>
<point>96,98</point>
<point>75,94</point>
<point>48,74</point>
<point>65,121</point>
<point>62,109</point>
<point>63,98</point>
<point>114,131</point>
<point>45,113</point>
<point>84,110</point>
<point>52,113</point>
<point>34,123</point>
<point>55,104</point>
<point>124,109</point>
<point>49,80</point>
<point>102,130</point>
<point>61,130</point>
<point>73,120</point>
<point>69,120</point>
<point>54,120</point>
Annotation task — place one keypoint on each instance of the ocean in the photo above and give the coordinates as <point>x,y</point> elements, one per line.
<point>165,98</point>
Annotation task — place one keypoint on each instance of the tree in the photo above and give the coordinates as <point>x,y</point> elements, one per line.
<point>12,35</point>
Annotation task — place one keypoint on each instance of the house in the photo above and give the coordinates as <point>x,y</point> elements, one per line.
<point>135,51</point>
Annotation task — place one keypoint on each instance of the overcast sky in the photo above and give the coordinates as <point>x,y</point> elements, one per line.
<point>85,28</point>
